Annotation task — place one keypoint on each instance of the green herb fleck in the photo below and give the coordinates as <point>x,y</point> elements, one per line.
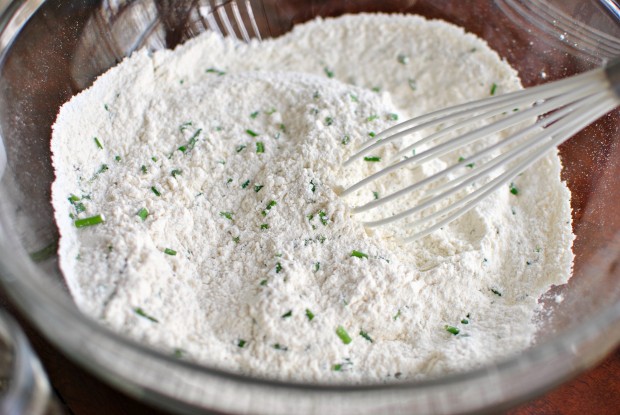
<point>366,336</point>
<point>227,215</point>
<point>372,159</point>
<point>257,187</point>
<point>154,190</point>
<point>178,353</point>
<point>323,217</point>
<point>106,107</point>
<point>252,133</point>
<point>91,221</point>
<point>271,111</point>
<point>371,134</point>
<point>288,314</point>
<point>241,343</point>
<point>376,89</point>
<point>254,115</point>
<point>239,148</point>
<point>245,184</point>
<point>372,118</point>
<point>103,168</point>
<point>278,268</point>
<point>513,189</point>
<point>344,336</point>
<point>493,88</point>
<point>260,147</point>
<point>185,126</point>
<point>215,71</point>
<point>278,346</point>
<point>143,169</point>
<point>358,254</point>
<point>329,120</point>
<point>309,314</point>
<point>397,315</point>
<point>170,252</point>
<point>375,195</point>
<point>236,239</point>
<point>345,140</point>
<point>154,159</point>
<point>402,59</point>
<point>312,186</point>
<point>98,143</point>
<point>141,313</point>
<point>176,172</point>
<point>393,116</point>
<point>282,127</point>
<point>117,158</point>
<point>45,253</point>
<point>354,98</point>
<point>264,226</point>
<point>271,204</point>
<point>412,84</point>
<point>143,214</point>
<point>263,282</point>
<point>317,266</point>
<point>337,367</point>
<point>464,321</point>
<point>328,72</point>
<point>494,291</point>
<point>452,329</point>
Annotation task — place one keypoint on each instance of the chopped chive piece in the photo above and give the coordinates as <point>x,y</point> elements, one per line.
<point>393,116</point>
<point>493,88</point>
<point>154,159</point>
<point>98,143</point>
<point>513,189</point>
<point>236,239</point>
<point>464,321</point>
<point>241,343</point>
<point>278,268</point>
<point>372,118</point>
<point>263,282</point>
<point>106,107</point>
<point>354,98</point>
<point>269,206</point>
<point>344,336</point>
<point>366,336</point>
<point>154,190</point>
<point>372,134</point>
<point>169,251</point>
<point>403,59</point>
<point>271,111</point>
<point>309,314</point>
<point>358,254</point>
<point>278,346</point>
<point>452,329</point>
<point>337,367</point>
<point>182,149</point>
<point>260,147</point>
<point>376,89</point>
<point>345,140</point>
<point>494,291</point>
<point>316,95</point>
<point>412,84</point>
<point>143,169</point>
<point>264,226</point>
<point>252,133</point>
<point>227,215</point>
<point>176,172</point>
<point>93,220</point>
<point>328,72</point>
<point>375,195</point>
<point>312,186</point>
<point>73,198</point>
<point>141,313</point>
<point>254,115</point>
<point>117,158</point>
<point>215,71</point>
<point>229,180</point>
<point>79,207</point>
<point>282,127</point>
<point>45,253</point>
<point>329,120</point>
<point>179,353</point>
<point>245,184</point>
<point>185,126</point>
<point>257,187</point>
<point>103,168</point>
<point>396,315</point>
<point>323,217</point>
<point>288,314</point>
<point>372,159</point>
<point>317,266</point>
<point>239,148</point>
<point>143,214</point>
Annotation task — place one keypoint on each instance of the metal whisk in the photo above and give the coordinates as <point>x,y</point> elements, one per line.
<point>561,109</point>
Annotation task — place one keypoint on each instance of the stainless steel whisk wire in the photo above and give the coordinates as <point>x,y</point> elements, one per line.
<point>562,109</point>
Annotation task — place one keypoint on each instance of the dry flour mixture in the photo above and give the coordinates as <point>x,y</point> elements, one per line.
<point>196,196</point>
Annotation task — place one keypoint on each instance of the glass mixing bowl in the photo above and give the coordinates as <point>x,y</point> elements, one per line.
<point>50,50</point>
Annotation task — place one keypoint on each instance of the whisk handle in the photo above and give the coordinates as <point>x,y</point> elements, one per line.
<point>612,70</point>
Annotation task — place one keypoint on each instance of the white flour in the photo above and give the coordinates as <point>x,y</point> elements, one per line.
<point>205,137</point>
